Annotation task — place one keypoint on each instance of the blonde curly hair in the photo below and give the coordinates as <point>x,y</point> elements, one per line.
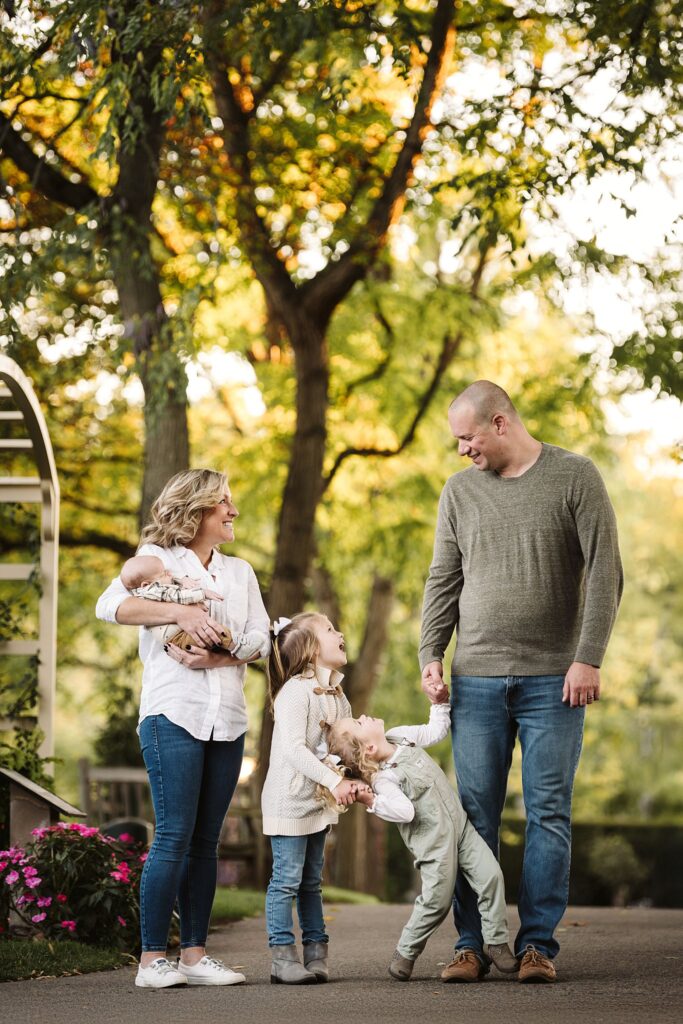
<point>351,750</point>
<point>177,512</point>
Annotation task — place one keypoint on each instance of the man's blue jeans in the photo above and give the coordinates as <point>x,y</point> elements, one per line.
<point>192,783</point>
<point>488,713</point>
<point>297,874</point>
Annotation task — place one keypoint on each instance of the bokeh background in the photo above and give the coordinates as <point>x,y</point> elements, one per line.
<point>277,238</point>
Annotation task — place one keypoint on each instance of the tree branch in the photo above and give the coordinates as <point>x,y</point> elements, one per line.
<point>235,133</point>
<point>384,363</point>
<point>324,292</point>
<point>46,179</point>
<point>95,539</point>
<point>449,347</point>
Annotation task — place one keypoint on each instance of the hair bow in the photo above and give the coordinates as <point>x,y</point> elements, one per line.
<point>280,625</point>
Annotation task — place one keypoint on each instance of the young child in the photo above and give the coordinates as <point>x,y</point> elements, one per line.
<point>409,788</point>
<point>146,576</point>
<point>305,694</point>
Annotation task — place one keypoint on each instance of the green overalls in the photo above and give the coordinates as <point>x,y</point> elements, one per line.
<point>442,839</point>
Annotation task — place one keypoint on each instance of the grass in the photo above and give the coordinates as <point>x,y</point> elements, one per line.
<point>233,904</point>
<point>22,958</point>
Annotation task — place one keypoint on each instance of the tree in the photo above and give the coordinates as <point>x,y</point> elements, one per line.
<point>294,138</point>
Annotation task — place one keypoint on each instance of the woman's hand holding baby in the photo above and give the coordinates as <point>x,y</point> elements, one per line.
<point>195,620</point>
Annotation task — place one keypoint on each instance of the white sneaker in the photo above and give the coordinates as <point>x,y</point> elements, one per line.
<point>209,971</point>
<point>159,974</point>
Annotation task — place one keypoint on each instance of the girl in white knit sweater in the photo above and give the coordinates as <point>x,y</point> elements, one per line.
<point>305,695</point>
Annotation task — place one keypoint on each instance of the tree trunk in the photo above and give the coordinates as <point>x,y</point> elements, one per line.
<point>146,326</point>
<point>301,495</point>
<point>358,832</point>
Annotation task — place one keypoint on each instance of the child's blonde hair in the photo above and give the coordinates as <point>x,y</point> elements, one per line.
<point>293,650</point>
<point>353,754</point>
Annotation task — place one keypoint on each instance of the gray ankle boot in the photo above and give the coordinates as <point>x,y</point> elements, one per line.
<point>315,960</point>
<point>287,969</point>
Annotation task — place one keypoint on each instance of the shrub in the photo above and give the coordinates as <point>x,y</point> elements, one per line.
<point>72,882</point>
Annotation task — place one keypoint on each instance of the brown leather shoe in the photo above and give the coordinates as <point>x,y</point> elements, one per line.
<point>536,968</point>
<point>465,966</point>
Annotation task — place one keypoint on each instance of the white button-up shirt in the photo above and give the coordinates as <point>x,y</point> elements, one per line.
<point>208,703</point>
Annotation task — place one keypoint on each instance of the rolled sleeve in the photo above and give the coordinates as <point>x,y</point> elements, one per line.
<point>108,603</point>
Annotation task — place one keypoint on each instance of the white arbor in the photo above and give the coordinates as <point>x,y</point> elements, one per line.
<point>18,404</point>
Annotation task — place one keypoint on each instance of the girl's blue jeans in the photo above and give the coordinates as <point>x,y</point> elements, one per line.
<point>488,714</point>
<point>297,875</point>
<point>192,783</point>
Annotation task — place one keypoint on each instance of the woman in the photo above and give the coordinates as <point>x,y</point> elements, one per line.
<point>192,719</point>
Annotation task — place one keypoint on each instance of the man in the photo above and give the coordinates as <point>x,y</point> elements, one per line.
<point>526,568</point>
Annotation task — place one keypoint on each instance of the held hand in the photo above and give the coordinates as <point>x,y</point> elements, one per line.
<point>433,684</point>
<point>581,685</point>
<point>195,620</point>
<point>212,595</point>
<point>345,792</point>
<point>365,795</point>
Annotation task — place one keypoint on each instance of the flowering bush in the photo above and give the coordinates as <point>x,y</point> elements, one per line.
<point>73,882</point>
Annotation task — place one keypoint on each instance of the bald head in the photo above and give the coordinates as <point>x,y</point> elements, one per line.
<point>485,399</point>
<point>489,431</point>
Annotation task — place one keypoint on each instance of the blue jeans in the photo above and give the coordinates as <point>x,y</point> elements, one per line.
<point>192,783</point>
<point>297,874</point>
<point>488,713</point>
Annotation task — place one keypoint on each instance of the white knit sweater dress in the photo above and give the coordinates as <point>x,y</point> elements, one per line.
<point>289,803</point>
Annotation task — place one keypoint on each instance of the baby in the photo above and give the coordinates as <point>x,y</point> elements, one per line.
<point>146,576</point>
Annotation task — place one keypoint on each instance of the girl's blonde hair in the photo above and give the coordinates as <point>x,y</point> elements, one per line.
<point>177,512</point>
<point>351,750</point>
<point>293,650</point>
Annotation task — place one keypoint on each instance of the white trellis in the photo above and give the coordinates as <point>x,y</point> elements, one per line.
<point>19,404</point>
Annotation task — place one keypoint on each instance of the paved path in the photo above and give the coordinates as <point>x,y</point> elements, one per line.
<point>616,967</point>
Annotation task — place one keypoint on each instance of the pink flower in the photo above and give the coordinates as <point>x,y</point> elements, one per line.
<point>83,830</point>
<point>143,857</point>
<point>121,872</point>
<point>126,837</point>
<point>38,917</point>
<point>121,921</point>
<point>44,901</point>
<point>29,871</point>
<point>3,864</point>
<point>61,898</point>
<point>39,833</point>
<point>33,882</point>
<point>12,877</point>
<point>69,925</point>
<point>22,900</point>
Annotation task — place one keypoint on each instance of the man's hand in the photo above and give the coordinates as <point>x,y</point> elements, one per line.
<point>433,684</point>
<point>195,620</point>
<point>345,792</point>
<point>581,685</point>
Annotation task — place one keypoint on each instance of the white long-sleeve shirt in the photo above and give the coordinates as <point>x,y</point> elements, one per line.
<point>208,703</point>
<point>391,803</point>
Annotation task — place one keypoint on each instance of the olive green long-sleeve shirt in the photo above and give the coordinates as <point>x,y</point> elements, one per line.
<point>526,569</point>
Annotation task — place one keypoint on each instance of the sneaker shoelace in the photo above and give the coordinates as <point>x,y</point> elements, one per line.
<point>464,956</point>
<point>216,965</point>
<point>161,966</point>
<point>536,959</point>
